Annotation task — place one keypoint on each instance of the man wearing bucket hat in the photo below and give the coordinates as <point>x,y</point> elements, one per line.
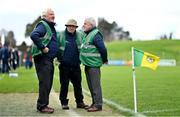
<point>69,42</point>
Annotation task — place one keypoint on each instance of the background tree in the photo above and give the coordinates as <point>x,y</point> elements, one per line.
<point>166,36</point>
<point>30,26</point>
<point>23,46</point>
<point>170,35</point>
<point>112,31</point>
<point>10,40</point>
<point>3,34</point>
<point>105,28</point>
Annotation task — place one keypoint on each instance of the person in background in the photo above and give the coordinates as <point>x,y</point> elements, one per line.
<point>28,59</point>
<point>69,68</point>
<point>0,58</point>
<point>16,54</point>
<point>5,59</point>
<point>44,51</point>
<point>93,54</point>
<point>14,58</point>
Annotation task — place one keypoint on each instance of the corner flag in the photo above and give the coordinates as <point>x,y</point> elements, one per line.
<point>145,59</point>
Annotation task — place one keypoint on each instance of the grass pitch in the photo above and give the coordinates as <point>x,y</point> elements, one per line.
<point>158,91</point>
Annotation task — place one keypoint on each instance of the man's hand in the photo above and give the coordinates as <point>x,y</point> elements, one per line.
<point>45,50</point>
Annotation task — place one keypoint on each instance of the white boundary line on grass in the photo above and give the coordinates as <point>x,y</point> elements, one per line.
<point>116,105</point>
<point>165,110</point>
<point>70,112</point>
<point>119,107</point>
<point>112,103</point>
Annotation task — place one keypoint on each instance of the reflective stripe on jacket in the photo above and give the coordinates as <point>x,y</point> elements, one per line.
<point>89,54</point>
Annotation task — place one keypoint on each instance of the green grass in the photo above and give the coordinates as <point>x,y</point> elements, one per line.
<point>165,49</point>
<point>25,82</point>
<point>156,90</point>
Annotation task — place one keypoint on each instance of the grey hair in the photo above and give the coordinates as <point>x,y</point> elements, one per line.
<point>92,21</point>
<point>44,13</point>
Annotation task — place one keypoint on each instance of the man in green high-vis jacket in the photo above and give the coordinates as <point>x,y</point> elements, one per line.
<point>69,42</point>
<point>93,54</point>
<point>44,50</point>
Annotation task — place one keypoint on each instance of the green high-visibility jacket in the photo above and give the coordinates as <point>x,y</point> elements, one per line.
<point>45,40</point>
<point>89,54</point>
<point>61,38</point>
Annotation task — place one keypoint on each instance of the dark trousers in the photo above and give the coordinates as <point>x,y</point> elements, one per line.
<point>45,70</point>
<point>72,74</point>
<point>5,66</point>
<point>93,76</point>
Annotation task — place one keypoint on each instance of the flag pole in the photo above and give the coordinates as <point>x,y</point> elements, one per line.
<point>134,81</point>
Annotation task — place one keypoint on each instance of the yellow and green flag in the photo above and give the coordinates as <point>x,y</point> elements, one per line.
<point>145,59</point>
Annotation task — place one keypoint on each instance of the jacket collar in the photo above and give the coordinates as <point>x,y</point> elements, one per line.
<point>87,32</point>
<point>50,23</point>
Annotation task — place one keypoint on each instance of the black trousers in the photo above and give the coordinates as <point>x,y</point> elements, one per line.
<point>45,70</point>
<point>72,74</point>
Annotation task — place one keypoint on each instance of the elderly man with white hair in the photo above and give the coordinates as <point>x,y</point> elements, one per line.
<point>93,55</point>
<point>44,50</point>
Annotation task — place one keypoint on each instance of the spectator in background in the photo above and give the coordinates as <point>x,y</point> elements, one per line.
<point>5,59</point>
<point>14,58</point>
<point>0,57</point>
<point>16,55</point>
<point>28,58</point>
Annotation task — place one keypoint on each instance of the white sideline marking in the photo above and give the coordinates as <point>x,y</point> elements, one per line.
<point>114,104</point>
<point>165,110</point>
<point>69,112</point>
<point>117,106</point>
<point>120,107</point>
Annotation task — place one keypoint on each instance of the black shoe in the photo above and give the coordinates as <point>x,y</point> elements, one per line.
<point>94,109</point>
<point>82,105</point>
<point>86,108</point>
<point>46,110</point>
<point>65,107</point>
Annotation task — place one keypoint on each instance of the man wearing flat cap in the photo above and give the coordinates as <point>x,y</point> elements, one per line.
<point>69,42</point>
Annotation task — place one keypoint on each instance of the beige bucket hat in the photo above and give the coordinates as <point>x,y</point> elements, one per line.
<point>71,22</point>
